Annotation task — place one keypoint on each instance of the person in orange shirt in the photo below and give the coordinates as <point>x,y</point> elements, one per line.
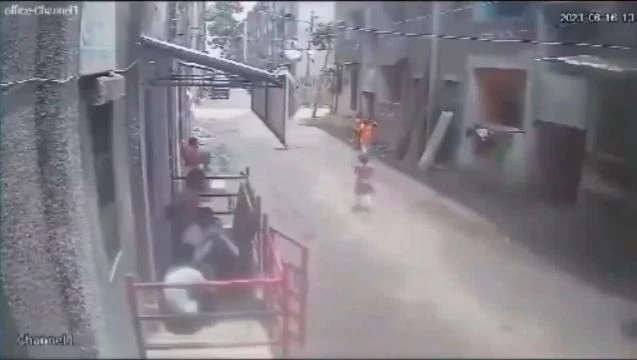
<point>367,134</point>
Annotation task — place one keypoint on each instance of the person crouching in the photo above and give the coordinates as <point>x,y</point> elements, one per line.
<point>363,188</point>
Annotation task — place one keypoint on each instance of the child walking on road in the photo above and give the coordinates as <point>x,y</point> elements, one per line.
<point>363,188</point>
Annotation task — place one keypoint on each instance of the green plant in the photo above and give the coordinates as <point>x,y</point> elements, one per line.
<point>222,26</point>
<point>323,35</point>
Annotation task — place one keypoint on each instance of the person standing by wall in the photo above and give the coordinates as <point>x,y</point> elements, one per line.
<point>190,154</point>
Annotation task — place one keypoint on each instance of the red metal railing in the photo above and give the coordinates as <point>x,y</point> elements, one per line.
<point>300,295</point>
<point>275,284</point>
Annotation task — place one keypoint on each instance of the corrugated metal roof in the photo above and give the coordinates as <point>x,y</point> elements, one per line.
<point>190,55</point>
<point>596,62</point>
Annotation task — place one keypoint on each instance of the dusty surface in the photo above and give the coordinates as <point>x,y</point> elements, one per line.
<point>418,276</point>
<point>224,332</point>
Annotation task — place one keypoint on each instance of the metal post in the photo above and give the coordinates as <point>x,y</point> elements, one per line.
<point>285,332</point>
<point>309,46</point>
<point>275,41</point>
<point>433,68</point>
<point>137,324</point>
<point>245,40</point>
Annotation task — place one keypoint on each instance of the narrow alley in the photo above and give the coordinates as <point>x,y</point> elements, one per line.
<point>420,275</point>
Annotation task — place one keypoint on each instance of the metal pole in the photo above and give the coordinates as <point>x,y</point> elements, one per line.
<point>433,68</point>
<point>245,40</point>
<point>309,46</point>
<point>275,42</point>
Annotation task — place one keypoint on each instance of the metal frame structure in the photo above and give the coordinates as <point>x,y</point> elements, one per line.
<point>283,284</point>
<point>281,281</point>
<point>239,74</point>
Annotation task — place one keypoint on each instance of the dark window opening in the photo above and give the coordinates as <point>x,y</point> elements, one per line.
<point>502,95</point>
<point>393,77</point>
<point>615,148</point>
<point>101,127</point>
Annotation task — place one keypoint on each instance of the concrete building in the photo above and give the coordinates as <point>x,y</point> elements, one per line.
<point>581,110</point>
<point>86,176</point>
<point>486,84</point>
<point>406,82</point>
<point>271,29</point>
<point>374,69</point>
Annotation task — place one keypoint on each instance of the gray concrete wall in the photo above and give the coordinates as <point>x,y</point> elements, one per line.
<point>458,59</point>
<point>47,264</point>
<point>56,272</point>
<point>345,96</point>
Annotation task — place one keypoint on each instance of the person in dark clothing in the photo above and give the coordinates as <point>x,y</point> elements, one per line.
<point>183,212</point>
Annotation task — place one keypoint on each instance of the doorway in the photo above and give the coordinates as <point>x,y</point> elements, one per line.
<point>500,97</point>
<point>561,151</point>
<point>368,104</point>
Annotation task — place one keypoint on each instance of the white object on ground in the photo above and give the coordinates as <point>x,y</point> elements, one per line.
<point>218,184</point>
<point>434,142</point>
<point>178,299</point>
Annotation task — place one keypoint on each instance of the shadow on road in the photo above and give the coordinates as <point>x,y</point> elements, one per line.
<point>596,245</point>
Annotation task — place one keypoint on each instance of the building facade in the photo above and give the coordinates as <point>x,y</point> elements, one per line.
<point>85,170</point>
<point>591,127</point>
<point>271,29</point>
<point>383,76</point>
<point>505,87</point>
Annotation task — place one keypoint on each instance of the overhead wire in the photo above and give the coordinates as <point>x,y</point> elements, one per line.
<point>414,19</point>
<point>482,38</point>
<point>38,80</point>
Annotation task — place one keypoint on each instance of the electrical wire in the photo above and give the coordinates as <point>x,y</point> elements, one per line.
<point>417,18</point>
<point>485,39</point>
<point>447,12</point>
<point>37,80</point>
<point>482,38</point>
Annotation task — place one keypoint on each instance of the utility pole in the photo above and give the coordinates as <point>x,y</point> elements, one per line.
<point>317,94</point>
<point>275,41</point>
<point>433,69</point>
<point>309,46</point>
<point>245,40</point>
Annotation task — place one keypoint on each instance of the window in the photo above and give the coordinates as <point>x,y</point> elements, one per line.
<point>101,126</point>
<point>393,78</point>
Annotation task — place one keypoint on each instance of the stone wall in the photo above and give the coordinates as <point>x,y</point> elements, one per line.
<point>57,276</point>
